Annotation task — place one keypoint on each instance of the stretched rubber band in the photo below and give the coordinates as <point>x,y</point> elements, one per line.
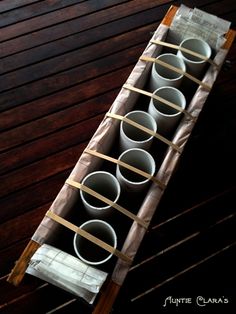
<point>152,95</point>
<point>107,201</point>
<point>193,53</point>
<point>171,67</point>
<point>144,129</point>
<point>88,236</point>
<point>125,165</point>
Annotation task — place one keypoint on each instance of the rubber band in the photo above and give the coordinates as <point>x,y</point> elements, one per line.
<point>193,53</point>
<point>158,98</point>
<point>107,201</point>
<point>125,165</point>
<point>171,67</point>
<point>88,236</point>
<point>144,129</point>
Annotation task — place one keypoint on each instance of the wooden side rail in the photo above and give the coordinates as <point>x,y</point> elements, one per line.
<point>107,298</point>
<point>21,265</point>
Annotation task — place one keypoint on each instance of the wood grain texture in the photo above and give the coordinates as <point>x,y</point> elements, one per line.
<point>62,65</point>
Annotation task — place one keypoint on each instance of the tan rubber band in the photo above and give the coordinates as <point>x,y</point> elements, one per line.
<point>193,53</point>
<point>88,236</point>
<point>144,129</point>
<point>166,102</point>
<point>125,165</point>
<point>108,202</point>
<point>171,67</point>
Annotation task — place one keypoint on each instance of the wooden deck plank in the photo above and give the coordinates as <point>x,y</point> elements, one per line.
<point>165,230</point>
<point>74,44</point>
<point>74,26</point>
<point>27,11</point>
<point>68,78</point>
<point>75,58</point>
<point>56,17</point>
<point>20,227</point>
<point>7,293</point>
<point>161,267</point>
<point>7,5</point>
<point>63,99</point>
<point>27,302</point>
<point>202,277</point>
<point>43,168</point>
<point>56,121</point>
<point>40,193</point>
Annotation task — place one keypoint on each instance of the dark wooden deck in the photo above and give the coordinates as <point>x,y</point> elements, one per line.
<point>62,65</point>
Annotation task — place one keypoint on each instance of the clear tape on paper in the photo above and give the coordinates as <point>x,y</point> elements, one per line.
<point>66,271</point>
<point>199,24</point>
